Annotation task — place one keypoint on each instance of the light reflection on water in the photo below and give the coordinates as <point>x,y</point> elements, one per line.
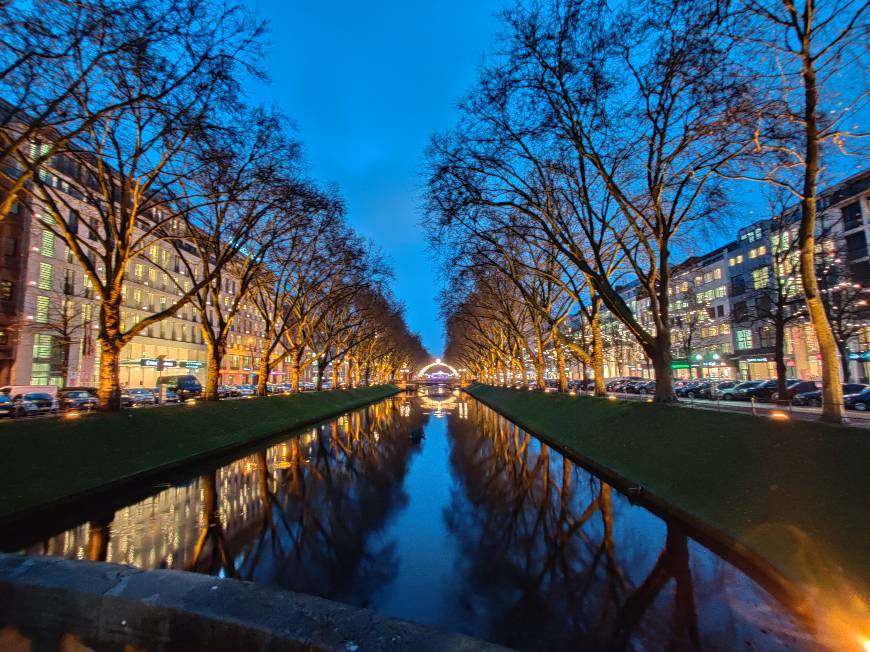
<point>474,527</point>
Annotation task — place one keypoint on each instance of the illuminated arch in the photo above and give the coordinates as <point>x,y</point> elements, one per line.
<point>437,363</point>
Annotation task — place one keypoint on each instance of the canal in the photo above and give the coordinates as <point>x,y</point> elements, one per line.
<point>432,508</point>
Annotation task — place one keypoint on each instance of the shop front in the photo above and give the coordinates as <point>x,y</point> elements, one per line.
<point>761,365</point>
<point>146,372</point>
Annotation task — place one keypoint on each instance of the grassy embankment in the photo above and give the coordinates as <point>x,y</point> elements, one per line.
<point>795,493</point>
<point>46,462</point>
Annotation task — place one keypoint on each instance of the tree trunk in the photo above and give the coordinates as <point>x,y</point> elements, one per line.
<point>844,360</point>
<point>215,352</point>
<point>598,357</point>
<point>779,358</point>
<point>661,360</point>
<point>321,369</point>
<point>263,378</point>
<point>295,373</point>
<point>832,389</point>
<point>109,386</point>
<point>560,363</point>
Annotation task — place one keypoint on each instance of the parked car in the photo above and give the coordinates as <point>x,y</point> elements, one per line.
<point>171,396</point>
<point>34,403</point>
<point>7,407</point>
<point>738,392</point>
<point>859,401</point>
<point>12,390</point>
<point>699,389</point>
<point>760,392</point>
<point>185,387</point>
<point>76,399</point>
<point>227,391</point>
<point>648,387</point>
<point>137,396</point>
<point>246,390</point>
<point>719,388</point>
<point>814,398</point>
<point>796,387</point>
<point>634,386</point>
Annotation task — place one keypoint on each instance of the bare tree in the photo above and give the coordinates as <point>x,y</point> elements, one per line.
<point>605,129</point>
<point>802,49</point>
<point>117,189</point>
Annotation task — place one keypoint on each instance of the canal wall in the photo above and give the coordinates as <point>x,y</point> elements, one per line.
<point>49,466</point>
<point>46,600</point>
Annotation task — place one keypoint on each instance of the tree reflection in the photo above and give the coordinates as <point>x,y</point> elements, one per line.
<point>540,561</point>
<point>321,499</point>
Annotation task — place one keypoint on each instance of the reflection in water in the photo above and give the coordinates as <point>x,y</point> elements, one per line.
<point>478,527</point>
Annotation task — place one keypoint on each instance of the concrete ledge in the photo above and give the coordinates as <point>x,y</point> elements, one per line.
<point>48,597</point>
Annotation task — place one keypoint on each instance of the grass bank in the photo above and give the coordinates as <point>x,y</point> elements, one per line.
<point>795,493</point>
<point>47,462</point>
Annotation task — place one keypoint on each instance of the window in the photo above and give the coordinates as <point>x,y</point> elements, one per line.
<point>40,373</point>
<point>45,276</point>
<point>47,218</point>
<point>73,222</point>
<point>744,338</point>
<point>721,291</point>
<point>760,278</point>
<point>851,216</point>
<point>717,273</point>
<point>699,280</point>
<point>47,248</point>
<point>137,297</point>
<point>724,329</point>
<point>856,245</point>
<point>720,311</point>
<point>154,253</point>
<point>6,290</point>
<point>139,271</point>
<point>42,304</point>
<point>10,246</point>
<point>42,347</point>
<point>69,281</point>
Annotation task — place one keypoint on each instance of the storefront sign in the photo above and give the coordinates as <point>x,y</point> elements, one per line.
<point>193,364</point>
<point>155,363</point>
<point>680,364</point>
<point>758,359</point>
<point>855,355</point>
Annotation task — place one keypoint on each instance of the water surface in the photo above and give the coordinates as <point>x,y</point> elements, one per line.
<point>435,509</point>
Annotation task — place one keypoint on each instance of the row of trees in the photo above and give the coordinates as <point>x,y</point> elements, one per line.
<point>124,131</point>
<point>603,138</point>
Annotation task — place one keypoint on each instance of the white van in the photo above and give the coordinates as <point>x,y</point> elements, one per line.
<point>12,390</point>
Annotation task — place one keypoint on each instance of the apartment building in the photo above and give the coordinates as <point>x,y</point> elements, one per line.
<point>723,317</point>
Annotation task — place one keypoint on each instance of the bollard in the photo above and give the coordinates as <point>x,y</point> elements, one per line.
<point>752,400</point>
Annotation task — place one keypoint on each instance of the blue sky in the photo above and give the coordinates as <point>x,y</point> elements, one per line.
<point>367,83</point>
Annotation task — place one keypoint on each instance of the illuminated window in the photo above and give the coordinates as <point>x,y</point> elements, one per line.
<point>154,253</point>
<point>760,278</point>
<point>6,288</point>
<point>724,329</point>
<point>42,347</point>
<point>47,248</point>
<point>717,273</point>
<point>45,276</point>
<point>721,291</point>
<point>42,304</point>
<point>139,271</point>
<point>744,338</point>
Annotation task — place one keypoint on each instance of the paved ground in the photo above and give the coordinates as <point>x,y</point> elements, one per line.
<point>856,418</point>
